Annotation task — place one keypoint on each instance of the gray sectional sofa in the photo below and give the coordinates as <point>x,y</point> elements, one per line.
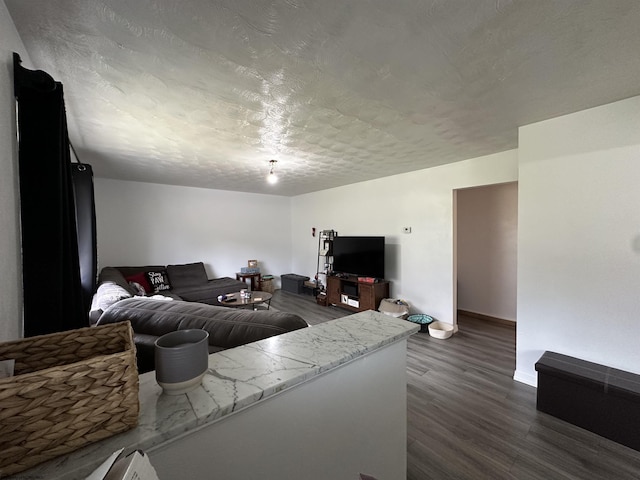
<point>159,299</point>
<point>227,327</point>
<point>186,282</point>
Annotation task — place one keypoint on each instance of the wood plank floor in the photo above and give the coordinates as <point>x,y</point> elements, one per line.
<point>468,418</point>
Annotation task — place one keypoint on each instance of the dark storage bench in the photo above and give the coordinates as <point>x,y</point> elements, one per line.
<point>600,399</point>
<point>293,283</point>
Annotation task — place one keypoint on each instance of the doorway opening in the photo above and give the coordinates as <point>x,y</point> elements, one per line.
<point>485,253</point>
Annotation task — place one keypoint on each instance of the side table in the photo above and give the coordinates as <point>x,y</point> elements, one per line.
<point>256,278</point>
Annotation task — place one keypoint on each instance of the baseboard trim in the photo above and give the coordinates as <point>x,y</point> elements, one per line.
<point>488,318</point>
<point>526,378</point>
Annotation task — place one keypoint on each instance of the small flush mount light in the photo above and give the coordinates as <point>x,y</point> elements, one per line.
<point>272,177</point>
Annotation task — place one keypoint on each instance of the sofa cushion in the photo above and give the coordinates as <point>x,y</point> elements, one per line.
<point>141,279</point>
<point>209,291</point>
<point>187,275</point>
<point>158,281</point>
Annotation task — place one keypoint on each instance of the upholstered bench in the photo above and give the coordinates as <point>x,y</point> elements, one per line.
<point>597,398</point>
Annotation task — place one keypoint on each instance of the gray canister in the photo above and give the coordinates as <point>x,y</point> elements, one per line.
<point>182,359</point>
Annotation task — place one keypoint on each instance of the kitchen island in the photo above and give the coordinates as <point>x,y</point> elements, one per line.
<point>322,402</point>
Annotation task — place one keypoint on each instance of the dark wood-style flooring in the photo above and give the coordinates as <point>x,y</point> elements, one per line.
<point>468,419</point>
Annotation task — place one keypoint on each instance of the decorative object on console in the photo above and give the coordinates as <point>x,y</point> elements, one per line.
<point>69,389</point>
<point>181,360</point>
<point>367,279</point>
<point>353,302</point>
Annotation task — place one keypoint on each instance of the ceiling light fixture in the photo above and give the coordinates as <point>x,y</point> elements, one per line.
<point>272,177</point>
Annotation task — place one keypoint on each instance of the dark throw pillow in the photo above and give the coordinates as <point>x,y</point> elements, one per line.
<point>158,281</point>
<point>140,278</point>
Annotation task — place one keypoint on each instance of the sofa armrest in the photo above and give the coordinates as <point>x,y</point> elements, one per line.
<point>95,311</point>
<point>113,275</point>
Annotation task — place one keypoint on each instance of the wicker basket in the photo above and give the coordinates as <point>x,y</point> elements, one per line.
<point>266,285</point>
<point>70,389</point>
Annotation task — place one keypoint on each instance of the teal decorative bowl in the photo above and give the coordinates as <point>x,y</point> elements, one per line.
<point>422,320</point>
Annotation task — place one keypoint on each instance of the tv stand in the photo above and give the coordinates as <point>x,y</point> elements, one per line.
<point>346,292</point>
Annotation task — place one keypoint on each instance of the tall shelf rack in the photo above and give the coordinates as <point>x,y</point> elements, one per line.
<point>325,258</point>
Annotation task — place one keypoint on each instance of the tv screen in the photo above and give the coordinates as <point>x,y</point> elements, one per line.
<point>361,256</point>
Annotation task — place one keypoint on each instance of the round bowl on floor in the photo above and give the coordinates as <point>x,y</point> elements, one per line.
<point>422,320</point>
<point>440,330</point>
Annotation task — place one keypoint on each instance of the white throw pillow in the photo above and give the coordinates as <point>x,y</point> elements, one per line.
<point>109,293</point>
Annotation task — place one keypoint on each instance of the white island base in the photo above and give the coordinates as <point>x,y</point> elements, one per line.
<point>326,402</point>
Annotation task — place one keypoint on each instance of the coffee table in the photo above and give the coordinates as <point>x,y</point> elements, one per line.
<point>257,297</point>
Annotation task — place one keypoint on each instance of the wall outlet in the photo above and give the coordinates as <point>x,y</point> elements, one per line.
<point>406,229</point>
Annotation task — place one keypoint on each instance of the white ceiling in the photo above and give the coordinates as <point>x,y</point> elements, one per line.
<point>205,92</point>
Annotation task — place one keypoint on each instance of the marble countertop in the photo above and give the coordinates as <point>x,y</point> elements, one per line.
<point>236,379</point>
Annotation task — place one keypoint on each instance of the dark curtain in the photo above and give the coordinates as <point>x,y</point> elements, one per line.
<point>52,289</point>
<point>82,176</point>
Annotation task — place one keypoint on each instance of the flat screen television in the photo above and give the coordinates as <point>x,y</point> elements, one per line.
<point>361,256</point>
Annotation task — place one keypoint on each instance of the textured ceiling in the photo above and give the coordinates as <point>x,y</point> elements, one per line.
<point>205,92</point>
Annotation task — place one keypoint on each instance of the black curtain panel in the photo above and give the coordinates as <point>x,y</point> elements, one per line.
<point>52,290</point>
<point>85,205</point>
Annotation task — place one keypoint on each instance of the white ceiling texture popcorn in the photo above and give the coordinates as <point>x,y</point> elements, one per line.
<point>205,92</point>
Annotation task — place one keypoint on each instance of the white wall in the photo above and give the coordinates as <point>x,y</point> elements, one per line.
<point>579,238</point>
<point>350,419</point>
<point>10,258</point>
<point>420,265</point>
<point>487,234</point>
<point>144,223</point>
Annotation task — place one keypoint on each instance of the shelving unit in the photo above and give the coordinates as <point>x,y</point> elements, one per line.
<point>325,258</point>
